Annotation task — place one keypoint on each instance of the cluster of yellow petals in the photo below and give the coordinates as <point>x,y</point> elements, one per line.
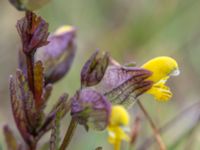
<point>118,124</point>
<point>162,68</point>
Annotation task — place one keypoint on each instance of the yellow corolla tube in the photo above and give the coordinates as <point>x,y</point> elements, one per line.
<point>118,125</point>
<point>162,68</point>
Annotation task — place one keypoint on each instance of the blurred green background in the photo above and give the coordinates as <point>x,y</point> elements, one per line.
<point>130,30</point>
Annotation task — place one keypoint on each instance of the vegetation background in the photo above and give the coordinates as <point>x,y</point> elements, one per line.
<point>130,30</point>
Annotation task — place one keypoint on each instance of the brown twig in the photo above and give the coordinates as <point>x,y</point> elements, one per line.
<point>68,135</point>
<point>135,131</point>
<point>153,126</point>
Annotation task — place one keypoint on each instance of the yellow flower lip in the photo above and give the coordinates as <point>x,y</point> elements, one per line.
<point>162,68</point>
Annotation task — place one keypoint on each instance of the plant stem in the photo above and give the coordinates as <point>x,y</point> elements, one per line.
<point>68,134</point>
<point>30,74</point>
<point>153,126</point>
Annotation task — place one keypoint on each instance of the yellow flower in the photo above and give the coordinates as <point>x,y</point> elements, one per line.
<point>162,68</point>
<point>118,123</point>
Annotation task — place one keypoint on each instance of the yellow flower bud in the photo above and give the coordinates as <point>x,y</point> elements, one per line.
<point>119,116</point>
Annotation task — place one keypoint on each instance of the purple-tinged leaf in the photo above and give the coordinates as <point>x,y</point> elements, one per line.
<point>94,69</point>
<point>18,112</point>
<point>27,99</point>
<point>33,31</point>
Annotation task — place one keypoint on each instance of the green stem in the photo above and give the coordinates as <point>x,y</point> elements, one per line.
<point>69,134</point>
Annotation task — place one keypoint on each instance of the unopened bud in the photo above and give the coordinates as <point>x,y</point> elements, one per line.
<point>58,55</point>
<point>94,69</point>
